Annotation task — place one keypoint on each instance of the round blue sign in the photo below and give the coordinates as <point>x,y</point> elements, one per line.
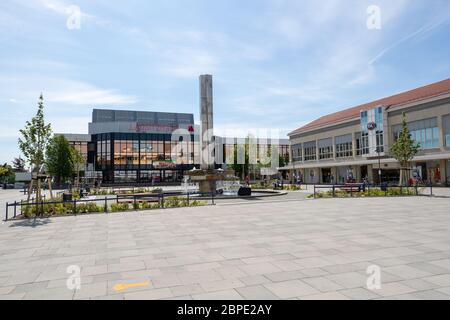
<point>371,126</point>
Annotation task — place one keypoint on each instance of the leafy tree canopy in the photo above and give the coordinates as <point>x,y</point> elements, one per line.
<point>59,159</point>
<point>18,164</point>
<point>404,148</point>
<point>35,137</point>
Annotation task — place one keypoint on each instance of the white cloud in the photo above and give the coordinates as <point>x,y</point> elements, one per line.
<point>62,8</point>
<point>79,93</point>
<point>188,63</point>
<point>423,32</point>
<point>66,92</point>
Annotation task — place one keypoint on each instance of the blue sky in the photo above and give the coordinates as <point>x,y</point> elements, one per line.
<point>276,63</point>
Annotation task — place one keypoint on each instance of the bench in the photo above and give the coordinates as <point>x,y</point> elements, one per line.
<point>353,187</point>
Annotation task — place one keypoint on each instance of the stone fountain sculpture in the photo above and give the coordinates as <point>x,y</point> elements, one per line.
<point>207,176</point>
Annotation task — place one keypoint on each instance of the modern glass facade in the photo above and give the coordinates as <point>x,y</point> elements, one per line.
<point>133,156</point>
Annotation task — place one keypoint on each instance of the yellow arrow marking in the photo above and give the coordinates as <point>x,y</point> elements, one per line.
<point>123,286</point>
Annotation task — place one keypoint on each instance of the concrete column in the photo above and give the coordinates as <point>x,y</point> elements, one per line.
<point>207,125</point>
<point>335,175</point>
<point>354,144</point>
<point>334,148</point>
<point>370,172</point>
<point>443,168</point>
<point>317,150</point>
<point>357,173</point>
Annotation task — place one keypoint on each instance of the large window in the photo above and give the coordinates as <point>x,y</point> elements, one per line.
<point>310,151</point>
<point>362,143</point>
<point>148,152</point>
<point>425,132</point>
<point>379,129</point>
<point>446,125</point>
<point>80,146</point>
<point>325,148</point>
<point>104,152</point>
<point>126,152</point>
<point>125,176</point>
<point>297,152</point>
<point>344,146</point>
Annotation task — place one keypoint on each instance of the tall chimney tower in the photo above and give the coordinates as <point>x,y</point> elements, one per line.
<point>207,126</point>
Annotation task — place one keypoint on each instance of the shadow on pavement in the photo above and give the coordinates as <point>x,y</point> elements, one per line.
<point>33,223</point>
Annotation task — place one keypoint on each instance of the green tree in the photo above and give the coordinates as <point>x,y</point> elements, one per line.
<point>33,144</point>
<point>35,137</point>
<point>78,161</point>
<point>241,169</point>
<point>18,165</point>
<point>403,150</point>
<point>6,174</point>
<point>59,159</point>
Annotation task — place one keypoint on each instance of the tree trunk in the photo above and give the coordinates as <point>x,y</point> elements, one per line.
<point>404,176</point>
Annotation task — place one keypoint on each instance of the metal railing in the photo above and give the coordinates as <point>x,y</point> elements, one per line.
<point>16,207</point>
<point>354,189</point>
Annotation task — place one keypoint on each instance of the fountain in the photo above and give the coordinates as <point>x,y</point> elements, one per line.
<point>207,180</point>
<point>207,176</point>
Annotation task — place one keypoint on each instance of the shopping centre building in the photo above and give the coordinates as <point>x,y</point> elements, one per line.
<point>139,146</point>
<point>353,144</point>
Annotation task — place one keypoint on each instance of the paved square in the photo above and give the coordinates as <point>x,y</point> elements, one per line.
<point>306,249</point>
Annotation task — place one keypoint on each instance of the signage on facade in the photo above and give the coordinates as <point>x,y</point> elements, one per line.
<point>371,126</point>
<point>164,165</point>
<point>145,127</point>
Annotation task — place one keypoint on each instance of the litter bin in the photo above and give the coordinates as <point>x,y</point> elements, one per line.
<point>244,191</point>
<point>67,197</point>
<point>384,186</point>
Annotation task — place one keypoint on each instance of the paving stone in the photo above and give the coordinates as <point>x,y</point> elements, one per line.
<point>259,268</point>
<point>419,284</point>
<point>30,287</point>
<point>6,290</point>
<point>445,263</point>
<point>221,285</point>
<point>285,275</point>
<point>349,279</point>
<point>218,295</point>
<point>394,288</point>
<point>322,284</point>
<point>270,244</point>
<point>442,280</point>
<point>291,289</point>
<point>405,272</point>
<point>254,280</point>
<point>326,296</point>
<point>186,290</point>
<point>432,295</point>
<point>93,290</point>
<point>14,296</point>
<point>50,294</point>
<point>359,294</point>
<point>155,294</point>
<point>256,293</point>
